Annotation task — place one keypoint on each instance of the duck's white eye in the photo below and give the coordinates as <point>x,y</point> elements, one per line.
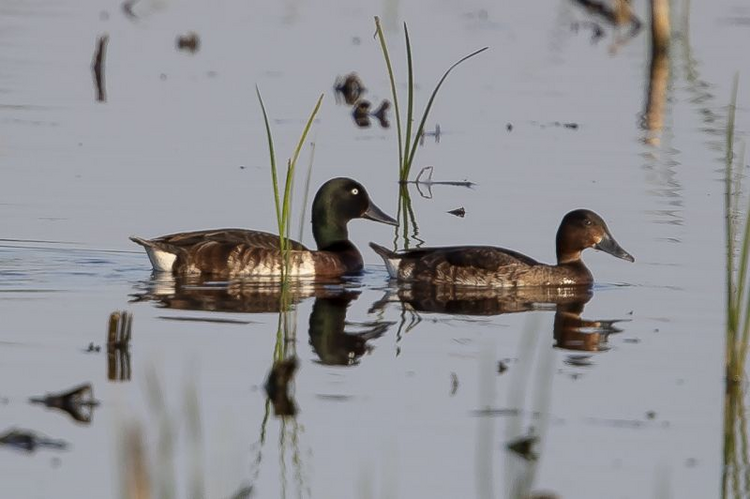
<point>355,191</point>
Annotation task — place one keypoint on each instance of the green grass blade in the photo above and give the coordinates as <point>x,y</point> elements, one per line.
<point>413,151</point>
<point>741,283</point>
<point>307,190</point>
<point>406,165</point>
<point>732,305</point>
<point>309,123</point>
<point>288,184</point>
<point>286,210</point>
<point>274,175</point>
<point>394,95</point>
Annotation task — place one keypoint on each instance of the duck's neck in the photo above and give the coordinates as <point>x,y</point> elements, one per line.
<point>568,257</point>
<point>564,254</point>
<point>327,230</point>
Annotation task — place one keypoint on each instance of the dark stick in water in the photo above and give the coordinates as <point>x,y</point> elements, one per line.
<point>97,66</point>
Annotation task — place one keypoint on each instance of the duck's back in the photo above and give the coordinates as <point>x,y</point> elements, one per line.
<point>479,266</point>
<point>465,265</point>
<point>252,238</point>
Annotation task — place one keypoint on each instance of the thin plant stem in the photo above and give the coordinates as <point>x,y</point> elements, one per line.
<point>407,145</point>
<point>732,304</point>
<point>406,165</point>
<point>307,190</point>
<point>420,130</point>
<point>394,94</point>
<point>272,156</point>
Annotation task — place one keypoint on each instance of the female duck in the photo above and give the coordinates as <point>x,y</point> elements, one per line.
<point>240,252</point>
<point>501,268</point>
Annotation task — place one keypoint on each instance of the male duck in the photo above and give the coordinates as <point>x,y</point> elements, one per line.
<point>246,253</point>
<point>502,268</point>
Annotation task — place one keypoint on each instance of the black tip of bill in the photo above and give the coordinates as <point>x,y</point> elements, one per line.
<point>378,215</point>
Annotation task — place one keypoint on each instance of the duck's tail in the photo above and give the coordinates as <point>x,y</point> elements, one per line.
<point>162,255</point>
<point>391,259</point>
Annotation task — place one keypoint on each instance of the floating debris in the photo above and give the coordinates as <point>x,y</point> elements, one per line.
<point>619,15</point>
<point>361,114</point>
<point>597,32</point>
<point>459,212</point>
<point>127,8</point>
<point>29,441</point>
<point>277,387</point>
<point>428,182</point>
<point>189,42</point>
<point>380,114</point>
<point>501,367</point>
<point>78,402</point>
<point>118,346</point>
<point>509,127</point>
<point>350,87</point>
<point>570,125</point>
<point>454,383</point>
<point>524,447</point>
<point>93,348</point>
<point>97,67</point>
<point>436,133</point>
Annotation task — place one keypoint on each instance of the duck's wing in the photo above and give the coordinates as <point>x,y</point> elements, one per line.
<point>488,258</point>
<point>251,238</point>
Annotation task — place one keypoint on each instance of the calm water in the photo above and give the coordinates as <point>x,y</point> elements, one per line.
<point>422,410</point>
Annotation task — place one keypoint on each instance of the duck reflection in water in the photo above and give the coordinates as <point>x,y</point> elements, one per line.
<point>248,296</point>
<point>327,324</point>
<point>332,344</point>
<point>570,330</point>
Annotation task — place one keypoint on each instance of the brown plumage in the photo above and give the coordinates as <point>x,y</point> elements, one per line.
<point>227,253</point>
<point>498,267</point>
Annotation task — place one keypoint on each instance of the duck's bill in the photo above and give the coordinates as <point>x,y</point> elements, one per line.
<point>378,215</point>
<point>609,245</point>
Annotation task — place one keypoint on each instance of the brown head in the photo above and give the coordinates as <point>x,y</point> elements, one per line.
<point>581,229</point>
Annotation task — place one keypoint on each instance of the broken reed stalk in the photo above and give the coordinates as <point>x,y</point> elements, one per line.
<point>283,204</point>
<point>97,67</point>
<point>118,345</point>
<point>660,29</point>
<point>408,141</point>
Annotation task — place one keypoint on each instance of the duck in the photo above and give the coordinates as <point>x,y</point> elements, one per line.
<point>490,266</point>
<point>234,253</point>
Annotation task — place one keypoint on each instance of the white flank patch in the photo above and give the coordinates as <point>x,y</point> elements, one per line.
<point>161,260</point>
<point>305,267</point>
<point>391,264</point>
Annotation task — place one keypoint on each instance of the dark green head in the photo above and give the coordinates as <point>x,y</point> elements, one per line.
<point>336,203</point>
<point>581,229</point>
